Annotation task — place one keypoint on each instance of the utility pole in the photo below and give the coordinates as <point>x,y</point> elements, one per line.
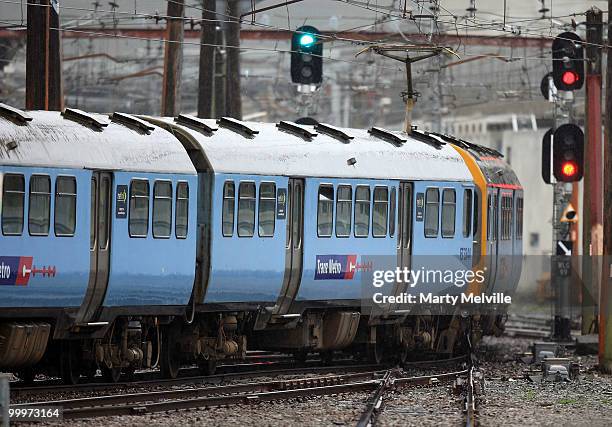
<point>43,57</point>
<point>592,228</point>
<point>206,83</point>
<point>173,58</point>
<point>220,73</point>
<point>234,102</point>
<point>605,321</point>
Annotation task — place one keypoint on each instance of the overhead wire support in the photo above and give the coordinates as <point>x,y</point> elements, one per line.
<point>427,51</point>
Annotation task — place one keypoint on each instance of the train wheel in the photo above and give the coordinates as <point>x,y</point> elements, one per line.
<point>70,363</point>
<point>170,362</point>
<point>111,375</point>
<point>375,349</point>
<point>208,367</point>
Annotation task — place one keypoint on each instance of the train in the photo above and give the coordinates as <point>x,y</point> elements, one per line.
<point>132,242</point>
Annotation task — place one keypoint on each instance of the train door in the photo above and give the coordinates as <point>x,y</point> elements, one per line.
<point>404,242</point>
<point>404,232</point>
<point>294,248</point>
<point>492,233</point>
<point>99,246</point>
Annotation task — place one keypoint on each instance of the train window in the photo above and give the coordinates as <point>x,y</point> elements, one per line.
<point>325,211</point>
<point>229,205</point>
<point>489,215</point>
<point>65,206</point>
<point>467,212</point>
<point>139,208</point>
<point>162,209</point>
<point>432,212</point>
<point>495,217</point>
<point>362,211</point>
<point>449,209</point>
<point>267,209</point>
<point>506,220</point>
<point>246,209</point>
<point>476,213</point>
<point>344,210</point>
<point>13,194</point>
<point>381,212</point>
<point>392,202</point>
<point>92,222</point>
<point>181,221</point>
<point>40,205</point>
<point>519,218</point>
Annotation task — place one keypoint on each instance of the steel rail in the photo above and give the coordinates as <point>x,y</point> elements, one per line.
<point>193,393</point>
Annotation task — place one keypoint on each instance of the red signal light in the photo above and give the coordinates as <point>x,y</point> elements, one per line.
<point>569,77</point>
<point>569,169</point>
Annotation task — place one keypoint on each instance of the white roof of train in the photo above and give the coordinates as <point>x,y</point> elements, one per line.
<point>276,152</point>
<point>50,140</point>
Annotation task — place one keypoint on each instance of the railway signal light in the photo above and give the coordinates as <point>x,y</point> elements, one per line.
<point>306,56</point>
<point>568,61</point>
<point>568,153</point>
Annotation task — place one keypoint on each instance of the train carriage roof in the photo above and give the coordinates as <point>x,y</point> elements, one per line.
<point>50,139</point>
<point>357,154</point>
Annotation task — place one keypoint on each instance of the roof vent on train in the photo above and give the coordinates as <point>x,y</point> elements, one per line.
<point>334,132</point>
<point>84,118</point>
<point>296,129</point>
<point>387,135</point>
<point>237,126</point>
<point>197,123</point>
<point>14,114</point>
<point>470,145</point>
<point>428,138</point>
<point>132,122</point>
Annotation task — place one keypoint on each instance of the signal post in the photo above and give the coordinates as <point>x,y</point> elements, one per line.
<point>605,308</point>
<point>567,164</point>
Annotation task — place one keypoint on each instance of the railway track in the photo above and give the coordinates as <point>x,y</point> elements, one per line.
<point>121,404</point>
<point>228,372</point>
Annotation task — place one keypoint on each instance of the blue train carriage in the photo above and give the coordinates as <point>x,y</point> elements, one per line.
<point>294,213</point>
<point>95,218</point>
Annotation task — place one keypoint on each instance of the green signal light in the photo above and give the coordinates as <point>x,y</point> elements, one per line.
<point>306,40</point>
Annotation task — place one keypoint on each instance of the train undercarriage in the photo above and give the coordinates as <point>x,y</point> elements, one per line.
<point>169,343</point>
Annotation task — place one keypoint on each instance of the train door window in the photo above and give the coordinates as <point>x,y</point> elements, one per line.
<point>162,209</point>
<point>344,210</point>
<point>13,195</point>
<point>40,205</point>
<point>381,212</point>
<point>246,209</point>
<point>432,212</point>
<point>139,208</point>
<point>467,213</point>
<point>495,216</point>
<point>65,206</point>
<point>449,210</point>
<point>325,211</point>
<point>362,211</point>
<point>181,221</point>
<point>229,205</point>
<point>92,224</point>
<point>297,215</point>
<point>476,213</point>
<point>267,209</point>
<point>519,218</point>
<point>392,203</point>
<point>489,215</point>
<point>104,215</point>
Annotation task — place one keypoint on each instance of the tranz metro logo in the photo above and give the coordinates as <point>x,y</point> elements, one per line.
<point>338,267</point>
<point>15,270</point>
